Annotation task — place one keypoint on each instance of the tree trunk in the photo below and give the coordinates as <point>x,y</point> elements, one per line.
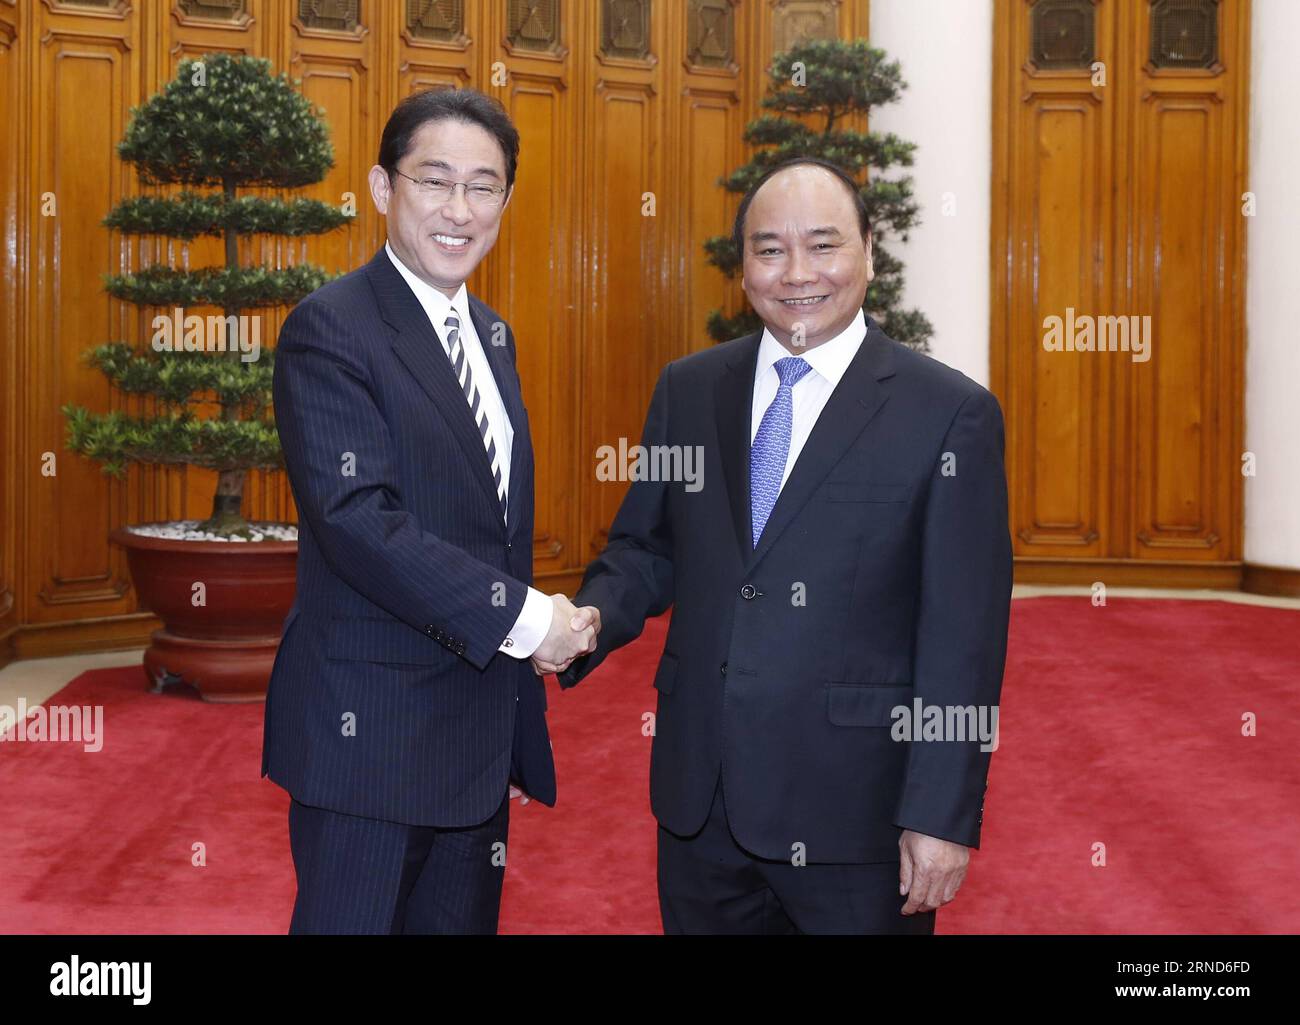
<point>227,519</point>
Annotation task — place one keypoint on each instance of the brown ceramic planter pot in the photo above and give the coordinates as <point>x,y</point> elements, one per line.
<point>226,647</point>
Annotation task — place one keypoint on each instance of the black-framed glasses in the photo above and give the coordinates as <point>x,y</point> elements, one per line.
<point>479,194</point>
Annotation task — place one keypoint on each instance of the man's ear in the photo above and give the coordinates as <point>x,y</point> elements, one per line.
<point>510,192</point>
<point>871,266</point>
<point>380,188</point>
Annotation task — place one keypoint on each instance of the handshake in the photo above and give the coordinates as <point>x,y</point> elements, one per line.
<point>572,633</point>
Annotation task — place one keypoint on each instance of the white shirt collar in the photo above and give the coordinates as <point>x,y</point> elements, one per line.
<point>435,304</point>
<point>830,359</point>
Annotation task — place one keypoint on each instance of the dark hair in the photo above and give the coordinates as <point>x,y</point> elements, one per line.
<point>443,104</point>
<point>864,219</point>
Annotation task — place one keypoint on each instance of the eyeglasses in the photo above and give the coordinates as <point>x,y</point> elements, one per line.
<point>479,194</point>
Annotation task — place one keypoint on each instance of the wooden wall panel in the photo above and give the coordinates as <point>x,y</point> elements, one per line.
<point>85,74</point>
<point>533,275</point>
<point>710,125</point>
<point>337,72</point>
<point>625,244</point>
<point>1063,492</point>
<point>1053,132</point>
<point>1187,174</point>
<point>1175,459</point>
<point>539,232</point>
<point>703,139</point>
<point>1115,194</point>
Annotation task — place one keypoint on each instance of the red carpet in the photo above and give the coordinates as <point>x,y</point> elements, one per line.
<point>1119,726</point>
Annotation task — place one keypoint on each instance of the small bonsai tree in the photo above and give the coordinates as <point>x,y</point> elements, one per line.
<point>817,91</point>
<point>226,123</point>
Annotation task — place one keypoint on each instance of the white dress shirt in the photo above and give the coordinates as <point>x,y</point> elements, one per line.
<point>811,393</point>
<point>535,617</point>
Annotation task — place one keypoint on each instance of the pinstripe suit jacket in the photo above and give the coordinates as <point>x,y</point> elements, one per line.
<point>389,698</point>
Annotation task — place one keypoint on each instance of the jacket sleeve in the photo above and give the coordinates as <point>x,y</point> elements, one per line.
<point>632,579</point>
<point>339,454</point>
<point>961,638</point>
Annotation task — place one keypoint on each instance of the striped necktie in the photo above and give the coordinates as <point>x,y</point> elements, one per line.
<point>460,367</point>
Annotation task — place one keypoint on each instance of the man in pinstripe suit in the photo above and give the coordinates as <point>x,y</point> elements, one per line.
<point>403,703</point>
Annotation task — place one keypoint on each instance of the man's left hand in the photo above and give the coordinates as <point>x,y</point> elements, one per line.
<point>930,870</point>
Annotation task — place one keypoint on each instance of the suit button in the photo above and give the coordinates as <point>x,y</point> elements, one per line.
<point>748,591</point>
<point>724,668</point>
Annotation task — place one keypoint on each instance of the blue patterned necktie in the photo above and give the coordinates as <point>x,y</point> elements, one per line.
<point>771,446</point>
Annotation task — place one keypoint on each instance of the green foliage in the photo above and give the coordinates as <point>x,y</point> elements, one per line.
<point>817,90</point>
<point>178,379</point>
<point>226,122</point>
<point>842,78</point>
<point>233,287</point>
<point>116,439</point>
<point>191,214</point>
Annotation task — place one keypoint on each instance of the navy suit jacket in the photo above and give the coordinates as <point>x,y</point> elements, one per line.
<point>389,698</point>
<point>883,576</point>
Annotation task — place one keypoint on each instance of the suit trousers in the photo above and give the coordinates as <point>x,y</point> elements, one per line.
<point>361,875</point>
<point>709,884</point>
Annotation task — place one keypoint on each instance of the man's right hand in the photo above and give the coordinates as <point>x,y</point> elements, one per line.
<point>572,633</point>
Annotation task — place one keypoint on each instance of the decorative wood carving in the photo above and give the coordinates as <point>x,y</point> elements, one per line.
<point>92,8</point>
<point>534,25</point>
<point>330,17</point>
<point>710,35</point>
<point>625,29</point>
<point>798,21</point>
<point>1063,35</point>
<point>1185,34</point>
<point>440,21</point>
<point>205,12</point>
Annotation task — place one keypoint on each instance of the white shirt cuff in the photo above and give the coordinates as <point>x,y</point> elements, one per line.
<point>530,628</point>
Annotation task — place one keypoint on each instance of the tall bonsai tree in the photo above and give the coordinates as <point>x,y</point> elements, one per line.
<point>817,91</point>
<point>223,124</point>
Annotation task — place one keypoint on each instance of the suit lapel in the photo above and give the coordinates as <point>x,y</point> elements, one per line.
<point>507,381</point>
<point>853,404</point>
<point>733,401</point>
<point>420,350</point>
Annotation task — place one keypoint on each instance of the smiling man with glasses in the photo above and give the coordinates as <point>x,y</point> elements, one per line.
<point>403,705</point>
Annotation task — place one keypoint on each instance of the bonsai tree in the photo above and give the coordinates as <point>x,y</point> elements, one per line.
<point>818,91</point>
<point>223,124</point>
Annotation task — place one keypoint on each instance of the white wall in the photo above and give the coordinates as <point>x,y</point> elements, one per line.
<point>1272,261</point>
<point>946,51</point>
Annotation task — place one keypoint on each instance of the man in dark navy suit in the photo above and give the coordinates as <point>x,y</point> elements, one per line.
<point>402,703</point>
<point>844,566</point>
